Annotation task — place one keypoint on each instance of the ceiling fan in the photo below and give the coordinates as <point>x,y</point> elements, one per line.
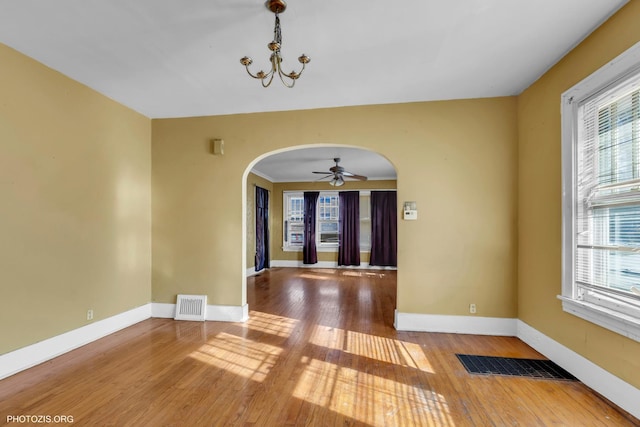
<point>338,174</point>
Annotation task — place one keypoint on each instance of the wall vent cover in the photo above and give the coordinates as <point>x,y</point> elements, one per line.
<point>191,307</point>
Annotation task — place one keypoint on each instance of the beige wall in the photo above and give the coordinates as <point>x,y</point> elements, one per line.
<point>75,211</point>
<point>457,159</point>
<point>254,180</point>
<point>277,234</point>
<point>540,196</point>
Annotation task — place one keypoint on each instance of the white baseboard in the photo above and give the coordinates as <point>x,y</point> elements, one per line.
<point>610,386</point>
<point>32,355</point>
<point>228,313</point>
<point>162,310</point>
<point>217,313</point>
<point>326,264</point>
<point>455,324</point>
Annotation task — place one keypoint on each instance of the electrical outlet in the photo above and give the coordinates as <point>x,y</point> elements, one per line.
<point>89,314</point>
<point>472,308</point>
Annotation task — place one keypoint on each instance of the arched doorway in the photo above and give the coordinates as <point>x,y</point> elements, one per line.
<point>294,170</point>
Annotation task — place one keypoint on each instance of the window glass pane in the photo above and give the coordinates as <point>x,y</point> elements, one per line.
<point>618,137</point>
<point>328,227</point>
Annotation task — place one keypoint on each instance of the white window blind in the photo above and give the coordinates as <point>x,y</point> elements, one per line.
<point>607,254</point>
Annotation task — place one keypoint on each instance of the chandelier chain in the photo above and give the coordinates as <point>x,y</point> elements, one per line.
<point>277,34</point>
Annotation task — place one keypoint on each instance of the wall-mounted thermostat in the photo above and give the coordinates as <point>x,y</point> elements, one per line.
<point>410,211</point>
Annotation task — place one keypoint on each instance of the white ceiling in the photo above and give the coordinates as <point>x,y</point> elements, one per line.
<point>299,165</point>
<point>171,58</point>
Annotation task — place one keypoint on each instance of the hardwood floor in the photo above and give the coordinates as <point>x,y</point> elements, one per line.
<point>319,350</point>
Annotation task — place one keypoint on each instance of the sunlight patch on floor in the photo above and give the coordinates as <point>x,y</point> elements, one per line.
<point>240,356</point>
<point>382,349</point>
<point>316,276</point>
<point>367,274</point>
<point>271,324</point>
<point>362,395</point>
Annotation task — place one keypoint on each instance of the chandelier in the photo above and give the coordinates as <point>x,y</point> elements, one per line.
<point>289,80</point>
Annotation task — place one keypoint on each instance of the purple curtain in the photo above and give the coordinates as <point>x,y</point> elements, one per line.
<point>262,228</point>
<point>309,253</point>
<point>349,228</point>
<point>384,236</point>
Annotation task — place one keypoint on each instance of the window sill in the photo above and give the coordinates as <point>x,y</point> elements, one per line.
<point>620,323</point>
<point>318,249</point>
<point>321,249</point>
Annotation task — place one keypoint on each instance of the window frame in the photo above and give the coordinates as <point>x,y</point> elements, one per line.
<point>605,308</point>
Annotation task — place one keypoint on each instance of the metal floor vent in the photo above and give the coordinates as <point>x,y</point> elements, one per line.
<point>191,307</point>
<point>515,367</point>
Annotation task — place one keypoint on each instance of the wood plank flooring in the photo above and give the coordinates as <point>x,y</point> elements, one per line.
<point>319,350</point>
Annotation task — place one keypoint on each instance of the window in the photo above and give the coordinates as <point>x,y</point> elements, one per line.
<point>327,229</point>
<point>365,221</point>
<point>601,196</point>
<point>293,220</point>
<point>328,215</point>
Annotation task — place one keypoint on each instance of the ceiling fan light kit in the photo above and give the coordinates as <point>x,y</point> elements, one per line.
<point>338,174</point>
<point>288,79</point>
<point>337,181</point>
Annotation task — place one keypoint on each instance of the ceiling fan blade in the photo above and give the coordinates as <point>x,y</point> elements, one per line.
<point>354,176</point>
<point>324,173</point>
<point>324,177</point>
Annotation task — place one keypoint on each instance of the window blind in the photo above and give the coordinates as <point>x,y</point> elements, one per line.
<point>607,185</point>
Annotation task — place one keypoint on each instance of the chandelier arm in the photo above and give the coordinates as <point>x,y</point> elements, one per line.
<point>293,77</point>
<point>293,81</point>
<point>270,76</point>
<point>278,68</point>
<point>251,74</point>
<point>300,72</point>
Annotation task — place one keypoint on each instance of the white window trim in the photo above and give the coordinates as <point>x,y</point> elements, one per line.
<point>622,323</point>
